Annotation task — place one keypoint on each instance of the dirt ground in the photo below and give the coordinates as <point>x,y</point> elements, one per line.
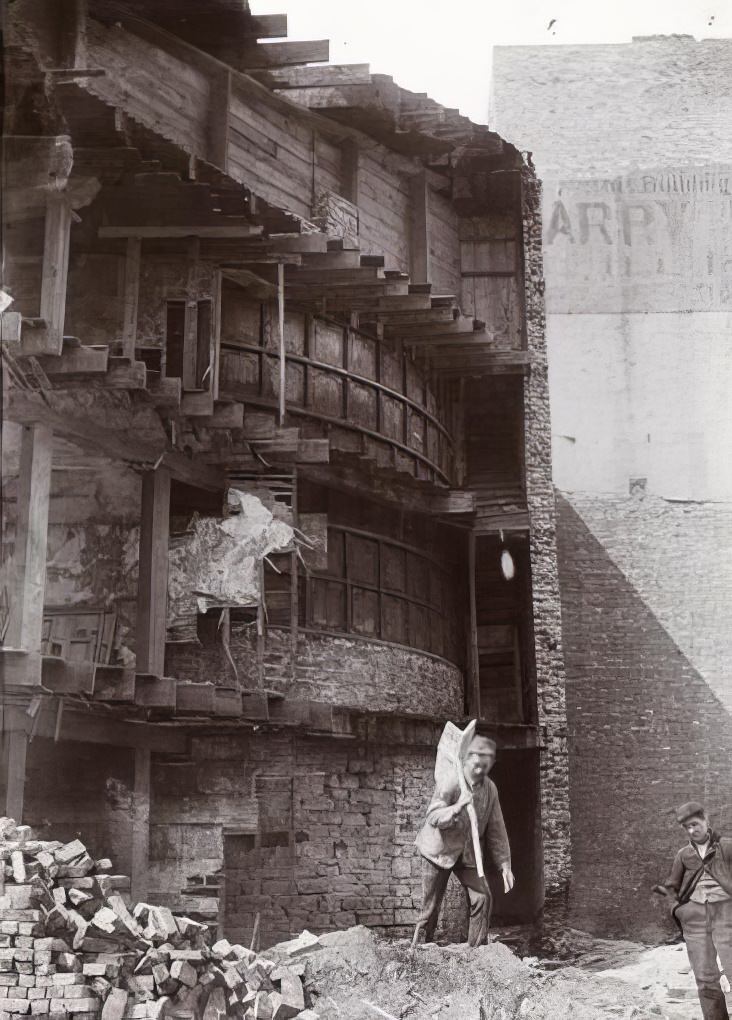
<point>359,975</point>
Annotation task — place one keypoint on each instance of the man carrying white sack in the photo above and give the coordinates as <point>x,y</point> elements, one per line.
<point>464,820</point>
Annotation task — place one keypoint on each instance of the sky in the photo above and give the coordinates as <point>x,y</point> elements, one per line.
<point>443,47</point>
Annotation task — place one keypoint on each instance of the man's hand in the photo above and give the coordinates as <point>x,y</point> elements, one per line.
<point>465,798</point>
<point>508,879</point>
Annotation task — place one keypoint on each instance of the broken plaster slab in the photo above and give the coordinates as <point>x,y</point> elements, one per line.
<point>218,562</point>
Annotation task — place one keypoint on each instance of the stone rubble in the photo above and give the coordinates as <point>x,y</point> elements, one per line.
<point>71,945</point>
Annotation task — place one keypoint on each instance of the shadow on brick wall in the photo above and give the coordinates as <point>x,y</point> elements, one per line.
<point>645,733</point>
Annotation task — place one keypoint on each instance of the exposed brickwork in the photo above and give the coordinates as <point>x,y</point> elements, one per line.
<point>645,728</point>
<point>545,584</point>
<point>353,673</point>
<point>311,832</point>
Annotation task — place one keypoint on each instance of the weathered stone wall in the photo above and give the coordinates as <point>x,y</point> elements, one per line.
<point>351,672</point>
<point>308,831</point>
<point>545,584</point>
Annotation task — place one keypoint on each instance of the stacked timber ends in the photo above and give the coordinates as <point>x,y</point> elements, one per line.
<point>72,945</point>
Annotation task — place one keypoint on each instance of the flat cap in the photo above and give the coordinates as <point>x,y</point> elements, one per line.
<point>689,810</point>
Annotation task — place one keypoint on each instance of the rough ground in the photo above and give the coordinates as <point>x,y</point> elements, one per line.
<point>358,975</point>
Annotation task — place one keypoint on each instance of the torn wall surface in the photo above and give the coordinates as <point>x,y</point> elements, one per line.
<point>218,562</point>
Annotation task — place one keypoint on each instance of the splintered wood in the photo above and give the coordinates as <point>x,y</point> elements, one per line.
<point>71,944</point>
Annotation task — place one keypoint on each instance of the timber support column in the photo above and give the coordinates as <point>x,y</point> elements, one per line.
<point>22,659</point>
<point>473,684</point>
<point>152,591</point>
<point>25,625</point>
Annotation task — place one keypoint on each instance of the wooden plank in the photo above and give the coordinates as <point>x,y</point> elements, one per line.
<point>14,762</point>
<point>82,725</point>
<point>281,53</point>
<point>141,825</point>
<point>223,230</point>
<point>473,691</point>
<point>153,571</point>
<point>55,266</point>
<point>307,76</point>
<point>268,26</point>
<point>419,243</point>
<point>131,290</point>
<point>25,625</point>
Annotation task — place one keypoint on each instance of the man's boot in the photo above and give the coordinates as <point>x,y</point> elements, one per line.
<point>713,1004</point>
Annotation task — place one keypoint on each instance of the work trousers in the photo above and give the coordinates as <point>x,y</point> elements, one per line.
<point>434,884</point>
<point>707,929</point>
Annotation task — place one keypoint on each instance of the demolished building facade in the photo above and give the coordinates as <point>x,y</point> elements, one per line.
<point>275,414</point>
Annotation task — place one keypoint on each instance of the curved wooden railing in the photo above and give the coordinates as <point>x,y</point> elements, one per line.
<point>345,396</point>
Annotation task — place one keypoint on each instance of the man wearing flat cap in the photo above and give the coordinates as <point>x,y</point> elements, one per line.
<point>446,845</point>
<point>701,883</point>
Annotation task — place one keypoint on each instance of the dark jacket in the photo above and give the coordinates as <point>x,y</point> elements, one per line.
<point>688,867</point>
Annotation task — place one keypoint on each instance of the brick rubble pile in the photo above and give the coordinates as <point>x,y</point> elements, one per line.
<point>72,947</point>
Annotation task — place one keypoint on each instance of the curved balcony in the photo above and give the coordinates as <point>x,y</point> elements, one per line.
<point>337,375</point>
<point>380,588</point>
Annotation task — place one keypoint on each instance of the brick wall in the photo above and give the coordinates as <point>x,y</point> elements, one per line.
<point>309,831</point>
<point>543,553</point>
<point>646,728</point>
<point>634,145</point>
<point>351,672</point>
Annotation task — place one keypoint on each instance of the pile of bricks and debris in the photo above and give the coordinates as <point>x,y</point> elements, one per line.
<point>71,945</point>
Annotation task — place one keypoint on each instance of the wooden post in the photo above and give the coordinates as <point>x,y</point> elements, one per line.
<point>132,287</point>
<point>14,755</point>
<point>55,266</point>
<point>152,592</point>
<point>281,330</point>
<point>219,119</point>
<point>141,825</point>
<point>473,658</point>
<point>419,241</point>
<point>72,17</point>
<point>25,625</point>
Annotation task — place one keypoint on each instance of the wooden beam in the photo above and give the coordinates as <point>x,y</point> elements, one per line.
<point>473,659</point>
<point>72,48</point>
<point>25,625</point>
<point>79,724</point>
<point>141,825</point>
<point>419,241</point>
<point>224,230</point>
<point>27,407</point>
<point>132,287</point>
<point>55,266</point>
<point>307,76</point>
<point>281,53</point>
<point>14,758</point>
<point>152,592</point>
<point>268,26</point>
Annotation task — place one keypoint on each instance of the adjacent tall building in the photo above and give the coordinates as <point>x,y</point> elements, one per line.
<point>277,482</point>
<point>633,144</point>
